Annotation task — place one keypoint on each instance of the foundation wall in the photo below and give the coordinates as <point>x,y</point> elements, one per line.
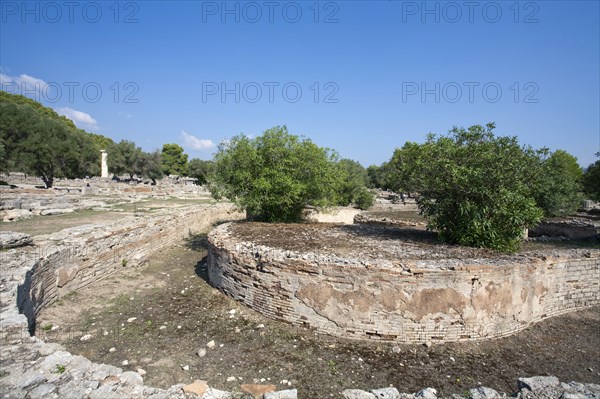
<point>466,302</point>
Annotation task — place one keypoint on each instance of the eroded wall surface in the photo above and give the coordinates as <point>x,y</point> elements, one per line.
<point>470,300</point>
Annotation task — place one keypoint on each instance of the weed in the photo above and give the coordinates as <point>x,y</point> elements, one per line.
<point>59,369</point>
<point>124,262</point>
<point>70,295</point>
<point>47,327</point>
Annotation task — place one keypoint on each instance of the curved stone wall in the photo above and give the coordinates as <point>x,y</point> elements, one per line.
<point>418,302</point>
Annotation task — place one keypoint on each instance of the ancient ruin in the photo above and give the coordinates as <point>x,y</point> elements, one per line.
<point>352,281</point>
<point>382,283</point>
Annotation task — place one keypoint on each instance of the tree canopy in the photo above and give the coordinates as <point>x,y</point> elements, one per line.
<point>353,180</point>
<point>201,170</point>
<point>275,175</point>
<point>36,140</point>
<point>591,180</point>
<point>174,160</point>
<point>558,191</point>
<point>474,188</point>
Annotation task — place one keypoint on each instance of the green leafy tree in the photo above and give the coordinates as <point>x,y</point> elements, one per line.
<point>151,165</point>
<point>401,178</point>
<point>125,158</point>
<point>558,189</point>
<point>275,175</point>
<point>174,160</point>
<point>37,140</point>
<point>3,160</point>
<point>353,181</point>
<point>591,180</point>
<point>200,170</point>
<point>474,187</point>
<point>380,176</point>
<point>40,145</point>
<point>363,198</point>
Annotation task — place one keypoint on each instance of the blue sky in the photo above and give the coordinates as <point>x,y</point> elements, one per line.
<point>362,77</point>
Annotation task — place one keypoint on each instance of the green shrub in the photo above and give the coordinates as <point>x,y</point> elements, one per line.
<point>274,176</point>
<point>475,188</point>
<point>364,199</point>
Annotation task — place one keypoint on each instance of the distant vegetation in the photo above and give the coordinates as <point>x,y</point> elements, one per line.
<point>591,180</point>
<point>36,140</point>
<point>474,188</point>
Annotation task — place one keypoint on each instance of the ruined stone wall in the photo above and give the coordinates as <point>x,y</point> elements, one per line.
<point>470,300</point>
<point>74,258</point>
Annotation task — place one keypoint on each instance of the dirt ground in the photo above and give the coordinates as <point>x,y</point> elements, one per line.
<point>177,314</point>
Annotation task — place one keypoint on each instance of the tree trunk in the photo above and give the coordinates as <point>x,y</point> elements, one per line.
<point>48,180</point>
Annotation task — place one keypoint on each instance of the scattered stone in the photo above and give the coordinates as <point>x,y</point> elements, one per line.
<point>537,383</point>
<point>33,381</point>
<point>141,372</point>
<point>16,214</point>
<point>125,363</point>
<point>213,393</point>
<point>11,239</point>
<point>201,352</point>
<point>110,380</point>
<point>198,387</point>
<point>484,393</point>
<point>131,319</point>
<point>113,349</point>
<point>131,378</point>
<point>86,337</point>
<point>427,393</point>
<point>386,393</point>
<point>163,327</point>
<point>287,394</point>
<point>231,379</point>
<point>357,394</point>
<point>257,390</point>
<point>42,391</point>
<point>211,344</point>
<point>185,368</point>
<point>48,212</point>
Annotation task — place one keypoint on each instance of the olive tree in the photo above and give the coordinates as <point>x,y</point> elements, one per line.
<point>274,176</point>
<point>558,188</point>
<point>591,180</point>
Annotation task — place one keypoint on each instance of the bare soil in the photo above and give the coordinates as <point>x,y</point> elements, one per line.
<point>177,313</point>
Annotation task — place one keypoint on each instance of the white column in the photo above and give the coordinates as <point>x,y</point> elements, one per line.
<point>104,165</point>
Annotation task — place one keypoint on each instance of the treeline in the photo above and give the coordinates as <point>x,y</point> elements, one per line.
<point>481,190</point>
<point>36,140</point>
<point>556,181</point>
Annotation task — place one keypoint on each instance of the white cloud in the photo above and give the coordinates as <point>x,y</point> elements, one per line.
<point>196,143</point>
<point>24,84</point>
<point>81,119</point>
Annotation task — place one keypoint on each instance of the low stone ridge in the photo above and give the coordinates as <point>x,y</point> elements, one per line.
<point>11,239</point>
<point>380,283</point>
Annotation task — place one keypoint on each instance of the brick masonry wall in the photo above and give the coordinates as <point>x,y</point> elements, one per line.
<point>74,258</point>
<point>469,301</point>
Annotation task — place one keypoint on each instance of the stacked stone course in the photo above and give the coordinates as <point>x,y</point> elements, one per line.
<point>422,301</point>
